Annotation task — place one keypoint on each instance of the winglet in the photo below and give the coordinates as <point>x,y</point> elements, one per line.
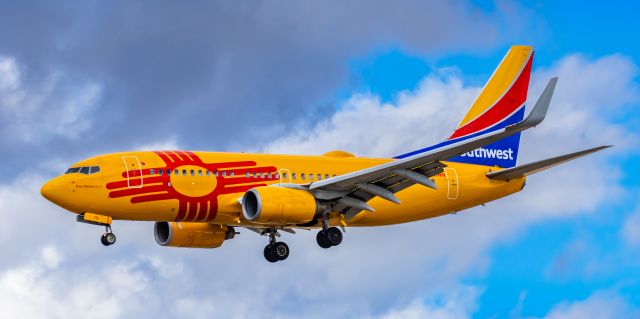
<point>539,111</point>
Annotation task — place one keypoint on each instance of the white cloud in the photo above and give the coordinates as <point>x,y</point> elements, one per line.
<point>57,105</point>
<point>459,303</point>
<point>600,305</point>
<point>168,144</point>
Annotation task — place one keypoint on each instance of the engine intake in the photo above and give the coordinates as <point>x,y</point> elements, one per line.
<point>194,235</point>
<point>280,205</point>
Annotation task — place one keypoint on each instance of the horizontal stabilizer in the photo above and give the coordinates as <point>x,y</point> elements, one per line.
<point>532,168</point>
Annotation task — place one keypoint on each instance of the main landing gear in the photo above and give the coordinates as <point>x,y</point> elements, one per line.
<point>275,251</point>
<point>328,236</point>
<point>108,238</point>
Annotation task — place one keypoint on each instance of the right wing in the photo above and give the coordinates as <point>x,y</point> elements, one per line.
<point>350,192</point>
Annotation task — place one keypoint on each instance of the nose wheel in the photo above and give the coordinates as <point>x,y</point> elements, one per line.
<point>108,238</point>
<point>275,251</point>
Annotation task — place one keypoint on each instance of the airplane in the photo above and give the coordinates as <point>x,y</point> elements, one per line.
<point>200,199</point>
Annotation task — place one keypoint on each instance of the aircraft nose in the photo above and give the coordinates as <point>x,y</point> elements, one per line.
<point>48,190</point>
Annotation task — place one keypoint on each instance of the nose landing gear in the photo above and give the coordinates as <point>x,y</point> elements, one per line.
<point>108,238</point>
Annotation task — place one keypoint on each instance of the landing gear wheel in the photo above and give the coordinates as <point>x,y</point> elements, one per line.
<point>108,239</point>
<point>334,236</point>
<point>269,254</point>
<point>280,250</point>
<point>322,239</point>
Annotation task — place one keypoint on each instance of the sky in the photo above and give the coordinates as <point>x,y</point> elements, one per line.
<point>81,78</point>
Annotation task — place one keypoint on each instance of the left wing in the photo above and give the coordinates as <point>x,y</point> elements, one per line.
<point>351,191</point>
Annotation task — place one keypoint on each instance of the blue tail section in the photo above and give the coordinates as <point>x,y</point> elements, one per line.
<point>503,153</point>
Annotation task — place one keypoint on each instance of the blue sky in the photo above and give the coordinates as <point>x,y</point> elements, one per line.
<point>375,79</point>
<point>520,267</point>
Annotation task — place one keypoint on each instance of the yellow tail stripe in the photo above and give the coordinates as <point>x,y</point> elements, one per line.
<point>499,82</point>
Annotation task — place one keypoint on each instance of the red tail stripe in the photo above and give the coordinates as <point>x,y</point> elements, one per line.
<point>514,98</point>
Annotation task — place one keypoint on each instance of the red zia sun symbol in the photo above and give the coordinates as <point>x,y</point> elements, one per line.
<point>176,180</point>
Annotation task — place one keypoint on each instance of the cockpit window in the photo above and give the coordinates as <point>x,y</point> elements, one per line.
<point>73,170</point>
<point>84,170</point>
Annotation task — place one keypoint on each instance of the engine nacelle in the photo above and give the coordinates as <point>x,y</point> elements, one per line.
<point>194,235</point>
<point>279,205</point>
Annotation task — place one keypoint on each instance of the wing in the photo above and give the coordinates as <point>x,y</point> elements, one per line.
<point>350,192</point>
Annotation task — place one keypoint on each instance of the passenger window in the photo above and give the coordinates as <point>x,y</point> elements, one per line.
<point>199,172</point>
<point>184,172</point>
<point>293,175</point>
<point>276,175</point>
<point>246,174</point>
<point>215,173</point>
<point>84,170</point>
<point>208,173</point>
<point>151,171</point>
<point>232,174</point>
<point>255,175</point>
<point>269,175</point>
<point>168,172</point>
<point>193,173</point>
<point>302,176</point>
<point>319,176</point>
<point>160,172</point>
<point>310,176</point>
<point>334,175</point>
<point>176,172</point>
<point>326,176</point>
<point>284,175</point>
<point>224,174</point>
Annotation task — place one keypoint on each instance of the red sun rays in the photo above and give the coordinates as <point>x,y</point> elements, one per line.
<point>232,178</point>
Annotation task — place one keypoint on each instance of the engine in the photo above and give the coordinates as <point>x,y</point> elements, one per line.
<point>194,235</point>
<point>279,205</point>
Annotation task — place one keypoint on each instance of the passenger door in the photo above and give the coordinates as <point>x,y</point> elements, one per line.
<point>133,171</point>
<point>452,183</point>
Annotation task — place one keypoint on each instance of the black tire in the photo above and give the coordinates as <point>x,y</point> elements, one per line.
<point>334,236</point>
<point>110,238</point>
<point>321,238</point>
<point>269,255</point>
<point>281,250</point>
<point>103,240</point>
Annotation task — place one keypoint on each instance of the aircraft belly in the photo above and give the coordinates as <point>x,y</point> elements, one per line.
<point>419,202</point>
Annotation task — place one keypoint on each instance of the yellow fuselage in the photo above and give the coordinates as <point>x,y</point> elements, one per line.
<point>207,186</point>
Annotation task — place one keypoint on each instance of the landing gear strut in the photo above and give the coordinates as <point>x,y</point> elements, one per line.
<point>328,236</point>
<point>108,238</point>
<point>275,251</point>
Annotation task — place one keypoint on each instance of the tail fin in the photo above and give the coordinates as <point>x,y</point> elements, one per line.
<point>501,103</point>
